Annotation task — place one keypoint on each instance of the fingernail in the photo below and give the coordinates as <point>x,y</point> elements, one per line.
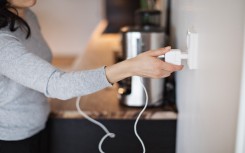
<point>169,47</point>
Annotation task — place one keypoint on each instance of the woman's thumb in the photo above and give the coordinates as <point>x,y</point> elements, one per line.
<point>160,51</point>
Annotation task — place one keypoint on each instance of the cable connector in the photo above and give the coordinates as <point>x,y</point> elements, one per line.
<point>174,56</point>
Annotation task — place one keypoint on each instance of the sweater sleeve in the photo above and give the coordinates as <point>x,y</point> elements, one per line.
<point>29,70</point>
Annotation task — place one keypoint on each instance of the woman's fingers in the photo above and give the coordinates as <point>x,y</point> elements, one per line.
<point>165,69</point>
<point>160,74</point>
<point>166,75</point>
<point>159,64</point>
<point>170,67</point>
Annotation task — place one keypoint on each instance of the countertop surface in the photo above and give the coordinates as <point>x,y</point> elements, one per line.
<point>101,50</point>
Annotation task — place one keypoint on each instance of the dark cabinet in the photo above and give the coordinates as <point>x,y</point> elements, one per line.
<point>81,136</point>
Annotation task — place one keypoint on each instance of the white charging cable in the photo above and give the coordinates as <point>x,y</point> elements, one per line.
<point>108,134</point>
<point>140,114</point>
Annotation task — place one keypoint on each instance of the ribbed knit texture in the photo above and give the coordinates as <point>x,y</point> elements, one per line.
<point>27,78</point>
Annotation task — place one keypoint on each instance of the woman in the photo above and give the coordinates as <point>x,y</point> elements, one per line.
<point>27,78</point>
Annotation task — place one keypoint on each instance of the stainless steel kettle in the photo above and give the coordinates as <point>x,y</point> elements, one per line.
<point>136,40</point>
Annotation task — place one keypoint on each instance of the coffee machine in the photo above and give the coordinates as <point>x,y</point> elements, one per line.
<point>146,35</point>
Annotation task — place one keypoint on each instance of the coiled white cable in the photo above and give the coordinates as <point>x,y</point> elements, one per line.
<point>108,134</point>
<point>137,119</point>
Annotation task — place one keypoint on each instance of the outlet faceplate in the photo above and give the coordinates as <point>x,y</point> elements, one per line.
<point>192,49</point>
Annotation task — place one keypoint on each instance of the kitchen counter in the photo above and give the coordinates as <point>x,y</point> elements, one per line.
<point>105,105</point>
<point>101,50</point>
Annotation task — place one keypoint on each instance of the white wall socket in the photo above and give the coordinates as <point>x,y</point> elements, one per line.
<point>192,49</point>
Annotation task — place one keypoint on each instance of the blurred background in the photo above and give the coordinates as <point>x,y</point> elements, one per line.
<point>205,108</point>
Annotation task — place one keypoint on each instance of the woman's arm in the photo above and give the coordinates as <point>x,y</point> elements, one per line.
<point>27,69</point>
<point>23,67</point>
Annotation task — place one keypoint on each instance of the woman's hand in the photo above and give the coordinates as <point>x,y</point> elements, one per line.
<point>146,64</point>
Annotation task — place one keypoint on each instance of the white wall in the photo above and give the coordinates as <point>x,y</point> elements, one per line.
<point>68,24</point>
<point>240,141</point>
<point>208,98</point>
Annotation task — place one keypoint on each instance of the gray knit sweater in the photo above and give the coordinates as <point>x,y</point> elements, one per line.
<point>27,78</point>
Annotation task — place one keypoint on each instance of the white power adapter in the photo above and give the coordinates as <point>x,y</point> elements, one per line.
<point>174,56</point>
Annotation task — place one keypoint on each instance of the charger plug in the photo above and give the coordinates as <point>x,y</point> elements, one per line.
<point>174,56</point>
